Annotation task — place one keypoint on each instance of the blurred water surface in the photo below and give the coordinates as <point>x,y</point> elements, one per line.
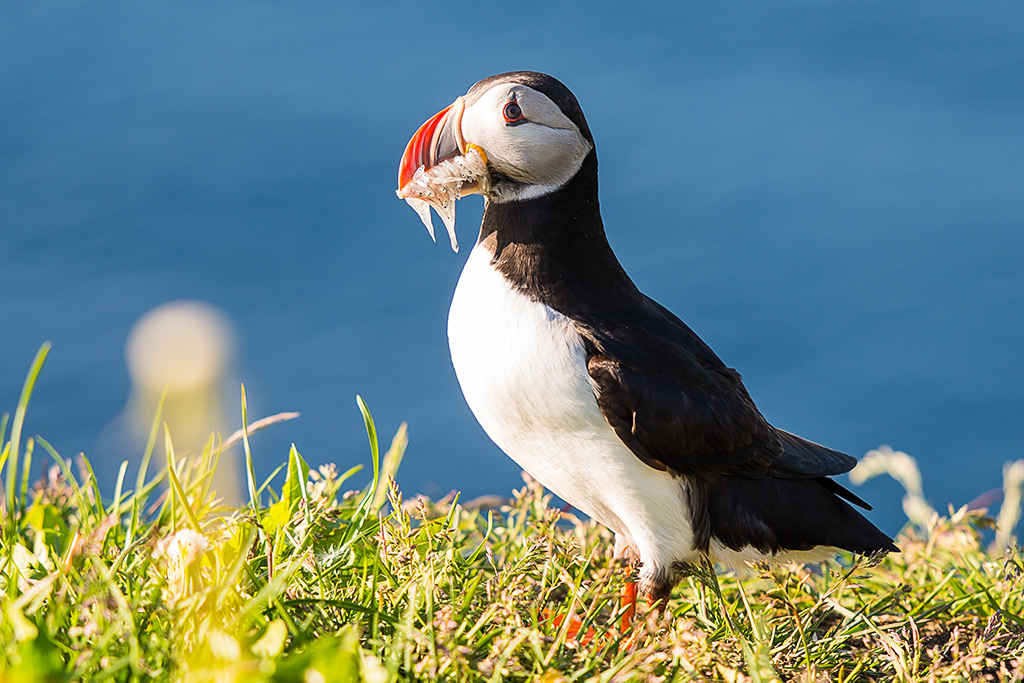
<point>831,195</point>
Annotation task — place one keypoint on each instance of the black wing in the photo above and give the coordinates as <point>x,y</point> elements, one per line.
<point>676,405</point>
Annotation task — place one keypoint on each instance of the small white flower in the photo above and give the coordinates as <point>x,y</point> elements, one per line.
<point>180,551</point>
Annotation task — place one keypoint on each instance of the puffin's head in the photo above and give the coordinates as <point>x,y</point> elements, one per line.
<point>525,126</point>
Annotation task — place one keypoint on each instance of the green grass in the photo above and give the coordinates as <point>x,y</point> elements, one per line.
<point>314,581</point>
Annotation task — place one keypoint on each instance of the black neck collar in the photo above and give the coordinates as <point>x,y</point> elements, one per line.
<point>554,249</point>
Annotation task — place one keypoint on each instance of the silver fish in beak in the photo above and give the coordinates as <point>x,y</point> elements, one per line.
<point>438,168</point>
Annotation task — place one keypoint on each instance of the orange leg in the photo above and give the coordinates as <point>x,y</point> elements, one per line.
<point>658,605</point>
<point>628,601</point>
<point>573,632</point>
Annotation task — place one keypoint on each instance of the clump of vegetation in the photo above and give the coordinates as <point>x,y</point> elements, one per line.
<point>312,581</point>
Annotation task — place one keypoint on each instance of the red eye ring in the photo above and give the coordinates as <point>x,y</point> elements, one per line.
<point>513,113</point>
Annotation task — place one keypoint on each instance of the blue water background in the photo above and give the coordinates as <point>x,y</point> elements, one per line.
<point>831,195</point>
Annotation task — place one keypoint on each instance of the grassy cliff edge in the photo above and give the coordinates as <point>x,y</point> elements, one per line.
<point>313,581</point>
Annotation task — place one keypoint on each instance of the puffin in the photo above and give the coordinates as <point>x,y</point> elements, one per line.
<point>597,391</point>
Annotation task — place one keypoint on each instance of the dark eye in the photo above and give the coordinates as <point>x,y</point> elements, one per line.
<point>513,113</point>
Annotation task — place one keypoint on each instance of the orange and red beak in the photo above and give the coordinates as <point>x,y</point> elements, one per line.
<point>438,139</point>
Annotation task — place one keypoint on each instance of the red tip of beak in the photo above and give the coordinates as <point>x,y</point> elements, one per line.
<point>418,151</point>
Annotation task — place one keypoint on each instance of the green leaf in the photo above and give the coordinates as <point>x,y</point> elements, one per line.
<point>759,663</point>
<point>295,482</point>
<point>276,516</point>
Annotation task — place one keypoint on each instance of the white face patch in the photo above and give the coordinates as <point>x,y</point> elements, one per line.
<point>542,153</point>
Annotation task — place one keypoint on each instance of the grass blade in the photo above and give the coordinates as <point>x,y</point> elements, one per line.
<point>176,487</point>
<point>154,430</point>
<point>19,422</point>
<point>250,471</point>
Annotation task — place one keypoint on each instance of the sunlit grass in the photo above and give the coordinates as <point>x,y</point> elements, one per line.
<point>329,575</point>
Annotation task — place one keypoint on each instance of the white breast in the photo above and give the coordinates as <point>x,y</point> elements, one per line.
<point>522,369</point>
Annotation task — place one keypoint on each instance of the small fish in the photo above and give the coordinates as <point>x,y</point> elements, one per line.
<point>442,186</point>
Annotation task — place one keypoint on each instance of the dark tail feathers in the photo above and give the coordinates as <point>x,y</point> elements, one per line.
<point>774,515</point>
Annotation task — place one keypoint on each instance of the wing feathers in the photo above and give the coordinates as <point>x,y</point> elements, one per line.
<point>695,417</point>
